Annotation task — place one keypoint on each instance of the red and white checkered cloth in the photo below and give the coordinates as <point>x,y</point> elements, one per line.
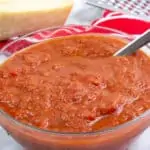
<point>111,22</point>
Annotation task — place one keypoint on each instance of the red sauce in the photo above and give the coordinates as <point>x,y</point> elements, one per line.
<point>74,84</point>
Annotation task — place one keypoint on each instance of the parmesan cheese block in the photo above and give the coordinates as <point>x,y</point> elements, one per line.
<point>18,17</point>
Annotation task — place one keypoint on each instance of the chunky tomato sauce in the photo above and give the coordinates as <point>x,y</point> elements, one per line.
<point>74,84</point>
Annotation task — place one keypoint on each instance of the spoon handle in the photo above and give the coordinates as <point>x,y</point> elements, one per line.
<point>134,45</point>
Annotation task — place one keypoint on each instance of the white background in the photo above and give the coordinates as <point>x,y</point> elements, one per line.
<point>82,14</point>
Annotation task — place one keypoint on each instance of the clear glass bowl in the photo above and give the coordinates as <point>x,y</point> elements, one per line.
<point>116,138</point>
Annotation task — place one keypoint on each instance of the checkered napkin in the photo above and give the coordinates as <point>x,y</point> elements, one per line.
<point>111,22</point>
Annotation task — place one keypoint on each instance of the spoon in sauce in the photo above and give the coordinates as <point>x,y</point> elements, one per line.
<point>134,45</point>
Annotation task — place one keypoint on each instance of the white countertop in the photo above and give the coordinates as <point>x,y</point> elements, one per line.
<point>79,16</point>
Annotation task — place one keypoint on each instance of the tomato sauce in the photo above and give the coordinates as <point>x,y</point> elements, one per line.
<point>74,84</point>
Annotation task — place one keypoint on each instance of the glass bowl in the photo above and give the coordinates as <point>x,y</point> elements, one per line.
<point>32,138</point>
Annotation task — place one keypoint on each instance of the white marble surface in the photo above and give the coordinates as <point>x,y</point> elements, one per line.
<point>82,14</point>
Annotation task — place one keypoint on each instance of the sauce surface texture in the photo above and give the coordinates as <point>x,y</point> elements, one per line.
<point>74,84</point>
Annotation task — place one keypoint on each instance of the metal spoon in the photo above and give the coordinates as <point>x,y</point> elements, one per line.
<point>134,45</point>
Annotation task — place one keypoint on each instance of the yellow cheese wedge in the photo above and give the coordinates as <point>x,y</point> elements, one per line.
<point>18,17</point>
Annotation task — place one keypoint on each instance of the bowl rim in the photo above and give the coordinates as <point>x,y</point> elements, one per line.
<point>73,134</point>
